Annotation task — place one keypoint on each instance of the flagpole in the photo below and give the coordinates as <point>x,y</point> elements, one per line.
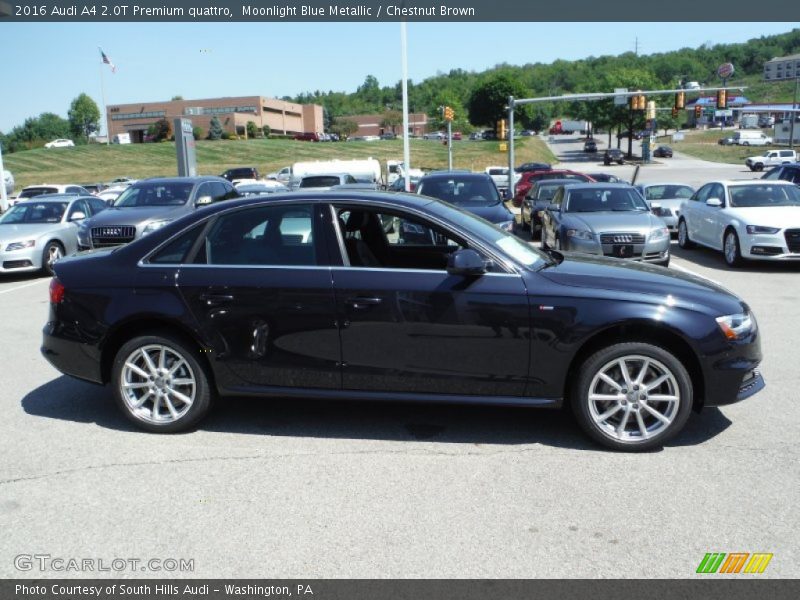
<point>103,96</point>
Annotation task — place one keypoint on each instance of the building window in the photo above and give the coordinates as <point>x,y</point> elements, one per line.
<point>138,115</point>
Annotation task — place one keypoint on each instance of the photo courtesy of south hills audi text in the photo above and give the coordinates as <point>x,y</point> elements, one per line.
<point>75,590</point>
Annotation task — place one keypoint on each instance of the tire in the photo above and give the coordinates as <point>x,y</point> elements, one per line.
<point>626,420</point>
<point>731,249</point>
<point>759,167</point>
<point>683,236</point>
<point>532,228</point>
<point>745,143</point>
<point>51,253</point>
<point>173,375</point>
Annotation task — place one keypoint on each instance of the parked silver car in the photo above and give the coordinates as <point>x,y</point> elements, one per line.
<point>35,233</point>
<point>609,219</point>
<point>664,200</point>
<point>148,205</point>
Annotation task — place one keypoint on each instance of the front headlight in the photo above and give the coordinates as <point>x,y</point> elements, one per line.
<point>154,226</point>
<point>752,229</point>
<point>735,327</point>
<point>659,234</point>
<point>507,226</point>
<point>580,234</point>
<point>20,245</point>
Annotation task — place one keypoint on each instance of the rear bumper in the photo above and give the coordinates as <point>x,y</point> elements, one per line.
<point>70,356</point>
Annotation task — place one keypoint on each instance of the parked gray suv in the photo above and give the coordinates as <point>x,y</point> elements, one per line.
<point>148,205</point>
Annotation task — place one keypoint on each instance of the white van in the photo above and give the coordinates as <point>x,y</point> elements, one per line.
<point>121,138</point>
<point>751,138</point>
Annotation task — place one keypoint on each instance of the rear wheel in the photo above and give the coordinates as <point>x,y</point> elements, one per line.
<point>160,384</point>
<point>683,236</point>
<point>731,249</point>
<point>632,396</point>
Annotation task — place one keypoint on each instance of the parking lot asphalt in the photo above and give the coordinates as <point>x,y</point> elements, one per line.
<point>289,488</point>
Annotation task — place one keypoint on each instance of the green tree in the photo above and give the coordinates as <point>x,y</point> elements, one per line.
<point>267,130</point>
<point>344,127</point>
<point>84,117</point>
<point>160,130</point>
<point>391,119</point>
<point>252,129</point>
<point>215,130</point>
<point>50,126</point>
<point>176,98</point>
<point>488,101</point>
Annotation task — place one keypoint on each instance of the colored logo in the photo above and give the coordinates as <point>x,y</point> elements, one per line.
<point>735,562</point>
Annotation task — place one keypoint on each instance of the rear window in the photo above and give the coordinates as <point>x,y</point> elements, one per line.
<point>155,194</point>
<point>321,181</point>
<point>37,191</point>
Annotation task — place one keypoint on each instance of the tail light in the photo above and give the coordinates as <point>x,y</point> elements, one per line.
<point>57,290</point>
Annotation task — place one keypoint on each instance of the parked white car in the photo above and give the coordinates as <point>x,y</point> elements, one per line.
<point>758,219</point>
<point>770,158</point>
<point>60,144</point>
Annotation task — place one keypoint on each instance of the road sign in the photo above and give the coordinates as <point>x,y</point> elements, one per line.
<point>620,100</point>
<point>723,113</point>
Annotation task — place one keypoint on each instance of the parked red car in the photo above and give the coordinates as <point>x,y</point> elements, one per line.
<point>530,177</point>
<point>308,136</point>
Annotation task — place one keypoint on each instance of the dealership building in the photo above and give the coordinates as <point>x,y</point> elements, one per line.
<point>283,118</point>
<point>418,124</point>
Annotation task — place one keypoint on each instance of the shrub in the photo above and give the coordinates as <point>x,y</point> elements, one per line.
<point>198,133</point>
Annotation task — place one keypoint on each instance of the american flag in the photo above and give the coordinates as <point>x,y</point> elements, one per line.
<point>107,60</point>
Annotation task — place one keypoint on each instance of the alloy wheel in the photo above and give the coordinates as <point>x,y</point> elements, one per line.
<point>634,398</point>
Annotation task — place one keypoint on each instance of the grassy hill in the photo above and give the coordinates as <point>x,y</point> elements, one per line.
<point>93,163</point>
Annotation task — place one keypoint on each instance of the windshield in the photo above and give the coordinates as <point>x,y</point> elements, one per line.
<point>462,191</point>
<point>34,212</point>
<point>750,196</point>
<point>37,191</point>
<point>506,243</point>
<point>155,194</point>
<point>663,192</point>
<point>604,199</point>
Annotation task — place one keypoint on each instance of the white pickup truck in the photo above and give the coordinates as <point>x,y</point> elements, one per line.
<point>770,158</point>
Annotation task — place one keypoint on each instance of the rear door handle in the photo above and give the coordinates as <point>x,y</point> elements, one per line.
<point>214,299</point>
<point>361,302</point>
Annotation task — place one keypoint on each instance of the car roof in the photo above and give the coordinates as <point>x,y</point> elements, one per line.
<point>55,198</point>
<point>193,180</point>
<point>729,182</point>
<point>651,184</point>
<point>572,181</point>
<point>599,184</point>
<point>446,173</point>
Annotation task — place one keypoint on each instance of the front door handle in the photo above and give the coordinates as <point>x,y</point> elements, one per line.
<point>214,299</point>
<point>361,302</point>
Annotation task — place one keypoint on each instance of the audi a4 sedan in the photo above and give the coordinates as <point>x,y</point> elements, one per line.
<point>610,219</point>
<point>309,294</point>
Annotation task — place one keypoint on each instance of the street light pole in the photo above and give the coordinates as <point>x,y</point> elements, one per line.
<point>794,114</point>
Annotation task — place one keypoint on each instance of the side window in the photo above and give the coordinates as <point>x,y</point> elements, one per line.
<point>702,193</point>
<point>717,191</point>
<point>558,198</point>
<point>218,191</point>
<point>204,189</point>
<point>394,240</point>
<point>230,192</point>
<point>262,236</point>
<point>176,251</point>
<point>776,173</point>
<point>792,175</point>
<point>96,205</point>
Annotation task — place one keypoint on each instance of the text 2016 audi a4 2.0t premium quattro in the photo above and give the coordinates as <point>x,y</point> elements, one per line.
<point>320,294</point>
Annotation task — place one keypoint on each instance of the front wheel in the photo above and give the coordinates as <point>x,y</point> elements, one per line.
<point>632,396</point>
<point>683,236</point>
<point>52,252</point>
<point>160,384</point>
<point>731,250</point>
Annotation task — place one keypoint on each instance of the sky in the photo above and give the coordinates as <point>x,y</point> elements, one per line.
<point>46,65</point>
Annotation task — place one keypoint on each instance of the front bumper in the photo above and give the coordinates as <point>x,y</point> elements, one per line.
<point>657,251</point>
<point>763,246</point>
<point>20,261</point>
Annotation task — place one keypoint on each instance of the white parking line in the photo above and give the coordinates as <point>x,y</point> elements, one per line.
<point>20,287</point>
<point>695,273</point>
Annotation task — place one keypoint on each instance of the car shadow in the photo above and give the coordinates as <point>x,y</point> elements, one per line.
<point>69,399</point>
<point>714,259</point>
<point>22,277</point>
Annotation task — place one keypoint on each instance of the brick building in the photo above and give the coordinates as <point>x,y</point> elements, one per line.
<point>287,118</point>
<point>418,124</point>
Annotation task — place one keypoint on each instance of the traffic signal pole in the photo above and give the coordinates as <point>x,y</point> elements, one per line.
<point>511,178</point>
<point>449,145</point>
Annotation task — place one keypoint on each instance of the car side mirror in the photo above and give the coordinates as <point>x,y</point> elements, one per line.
<point>466,262</point>
<point>714,202</point>
<point>77,216</point>
<point>203,200</point>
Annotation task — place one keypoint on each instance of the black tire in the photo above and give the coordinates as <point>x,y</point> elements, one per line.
<point>683,236</point>
<point>47,262</point>
<point>677,411</point>
<point>194,369</point>
<point>759,167</point>
<point>532,228</point>
<point>733,257</point>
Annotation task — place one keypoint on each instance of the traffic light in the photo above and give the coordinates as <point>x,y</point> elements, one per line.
<point>722,99</point>
<point>448,113</point>
<point>638,102</point>
<point>501,129</point>
<point>680,100</point>
<point>698,111</point>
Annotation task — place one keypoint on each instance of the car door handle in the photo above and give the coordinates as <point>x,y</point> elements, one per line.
<point>213,299</point>
<point>361,302</point>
